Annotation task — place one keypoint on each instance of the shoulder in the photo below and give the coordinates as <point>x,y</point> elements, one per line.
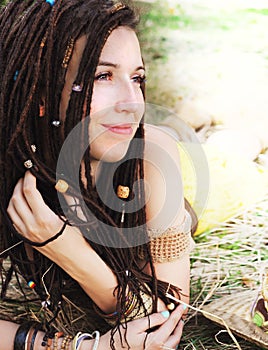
<point>162,174</point>
<point>161,137</point>
<point>161,150</point>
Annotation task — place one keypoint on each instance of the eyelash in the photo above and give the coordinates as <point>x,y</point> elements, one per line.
<point>103,76</point>
<point>140,79</point>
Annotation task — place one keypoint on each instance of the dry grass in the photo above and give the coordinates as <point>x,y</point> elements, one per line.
<point>226,260</point>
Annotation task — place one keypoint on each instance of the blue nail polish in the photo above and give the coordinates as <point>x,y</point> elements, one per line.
<point>165,313</point>
<point>184,306</point>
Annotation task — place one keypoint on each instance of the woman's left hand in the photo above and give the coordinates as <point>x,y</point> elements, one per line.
<point>30,215</point>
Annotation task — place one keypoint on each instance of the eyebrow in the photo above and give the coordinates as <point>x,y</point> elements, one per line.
<point>114,65</point>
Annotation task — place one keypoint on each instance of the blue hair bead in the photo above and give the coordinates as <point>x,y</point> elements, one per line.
<point>51,2</point>
<point>16,75</point>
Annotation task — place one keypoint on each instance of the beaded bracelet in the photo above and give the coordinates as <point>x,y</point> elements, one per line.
<point>65,343</point>
<point>56,339</point>
<point>133,308</point>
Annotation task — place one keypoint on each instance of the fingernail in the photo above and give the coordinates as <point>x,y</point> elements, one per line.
<point>184,306</point>
<point>165,314</point>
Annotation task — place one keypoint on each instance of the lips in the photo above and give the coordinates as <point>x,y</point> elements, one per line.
<point>122,129</point>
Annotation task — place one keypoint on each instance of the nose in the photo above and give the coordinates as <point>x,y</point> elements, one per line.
<point>130,98</point>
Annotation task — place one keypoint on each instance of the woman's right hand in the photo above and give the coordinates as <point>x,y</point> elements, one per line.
<point>166,336</point>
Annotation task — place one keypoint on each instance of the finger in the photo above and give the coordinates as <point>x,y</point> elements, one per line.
<point>18,208</point>
<point>15,218</point>
<point>151,321</point>
<point>42,214</point>
<point>175,338</point>
<point>162,335</point>
<point>32,195</point>
<point>173,320</point>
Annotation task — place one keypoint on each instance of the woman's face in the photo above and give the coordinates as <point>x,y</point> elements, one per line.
<point>117,102</point>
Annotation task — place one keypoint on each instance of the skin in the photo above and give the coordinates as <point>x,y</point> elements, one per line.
<point>117,101</point>
<point>117,108</point>
<point>168,334</point>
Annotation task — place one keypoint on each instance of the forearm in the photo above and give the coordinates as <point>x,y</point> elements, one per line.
<point>74,255</point>
<point>7,334</point>
<point>177,273</point>
<point>8,331</point>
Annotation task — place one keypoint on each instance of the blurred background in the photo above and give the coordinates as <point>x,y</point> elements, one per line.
<point>208,61</point>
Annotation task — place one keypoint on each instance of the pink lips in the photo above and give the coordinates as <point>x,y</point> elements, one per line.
<point>123,129</point>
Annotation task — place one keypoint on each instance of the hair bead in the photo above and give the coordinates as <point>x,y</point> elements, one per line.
<point>28,164</point>
<point>123,192</point>
<point>41,110</point>
<point>77,88</point>
<point>33,147</point>
<point>61,186</point>
<point>56,123</point>
<point>50,2</point>
<point>16,75</point>
<point>31,284</point>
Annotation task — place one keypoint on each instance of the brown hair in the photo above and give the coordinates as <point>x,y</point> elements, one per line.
<point>36,44</point>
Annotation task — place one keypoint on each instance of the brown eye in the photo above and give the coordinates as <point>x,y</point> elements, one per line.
<point>139,79</point>
<point>103,76</point>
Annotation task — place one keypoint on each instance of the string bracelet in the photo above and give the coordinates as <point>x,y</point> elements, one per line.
<point>51,239</point>
<point>80,337</point>
<point>96,335</point>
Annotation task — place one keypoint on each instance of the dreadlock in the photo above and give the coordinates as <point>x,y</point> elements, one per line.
<point>36,44</point>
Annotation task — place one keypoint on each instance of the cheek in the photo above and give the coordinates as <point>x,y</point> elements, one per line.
<point>100,100</point>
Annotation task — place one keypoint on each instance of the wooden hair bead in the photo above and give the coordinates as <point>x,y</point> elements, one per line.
<point>123,192</point>
<point>61,186</point>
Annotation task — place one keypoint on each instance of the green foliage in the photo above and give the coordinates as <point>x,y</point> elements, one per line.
<point>3,2</point>
<point>259,11</point>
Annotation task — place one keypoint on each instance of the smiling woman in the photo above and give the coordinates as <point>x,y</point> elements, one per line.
<point>117,105</point>
<point>92,209</point>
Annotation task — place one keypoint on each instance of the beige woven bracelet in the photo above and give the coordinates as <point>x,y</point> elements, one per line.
<point>172,243</point>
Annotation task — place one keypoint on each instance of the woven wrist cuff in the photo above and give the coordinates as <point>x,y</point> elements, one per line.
<point>173,243</point>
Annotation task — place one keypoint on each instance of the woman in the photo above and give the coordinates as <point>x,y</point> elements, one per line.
<point>93,214</point>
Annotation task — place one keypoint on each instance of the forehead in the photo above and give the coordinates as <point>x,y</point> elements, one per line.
<point>123,46</point>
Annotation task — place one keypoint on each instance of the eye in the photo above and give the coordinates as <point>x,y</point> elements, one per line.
<point>103,76</point>
<point>139,79</point>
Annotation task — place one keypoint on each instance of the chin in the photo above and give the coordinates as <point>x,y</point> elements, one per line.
<point>111,154</point>
<point>113,157</point>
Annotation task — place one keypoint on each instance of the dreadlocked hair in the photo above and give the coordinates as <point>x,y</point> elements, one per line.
<point>36,44</point>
